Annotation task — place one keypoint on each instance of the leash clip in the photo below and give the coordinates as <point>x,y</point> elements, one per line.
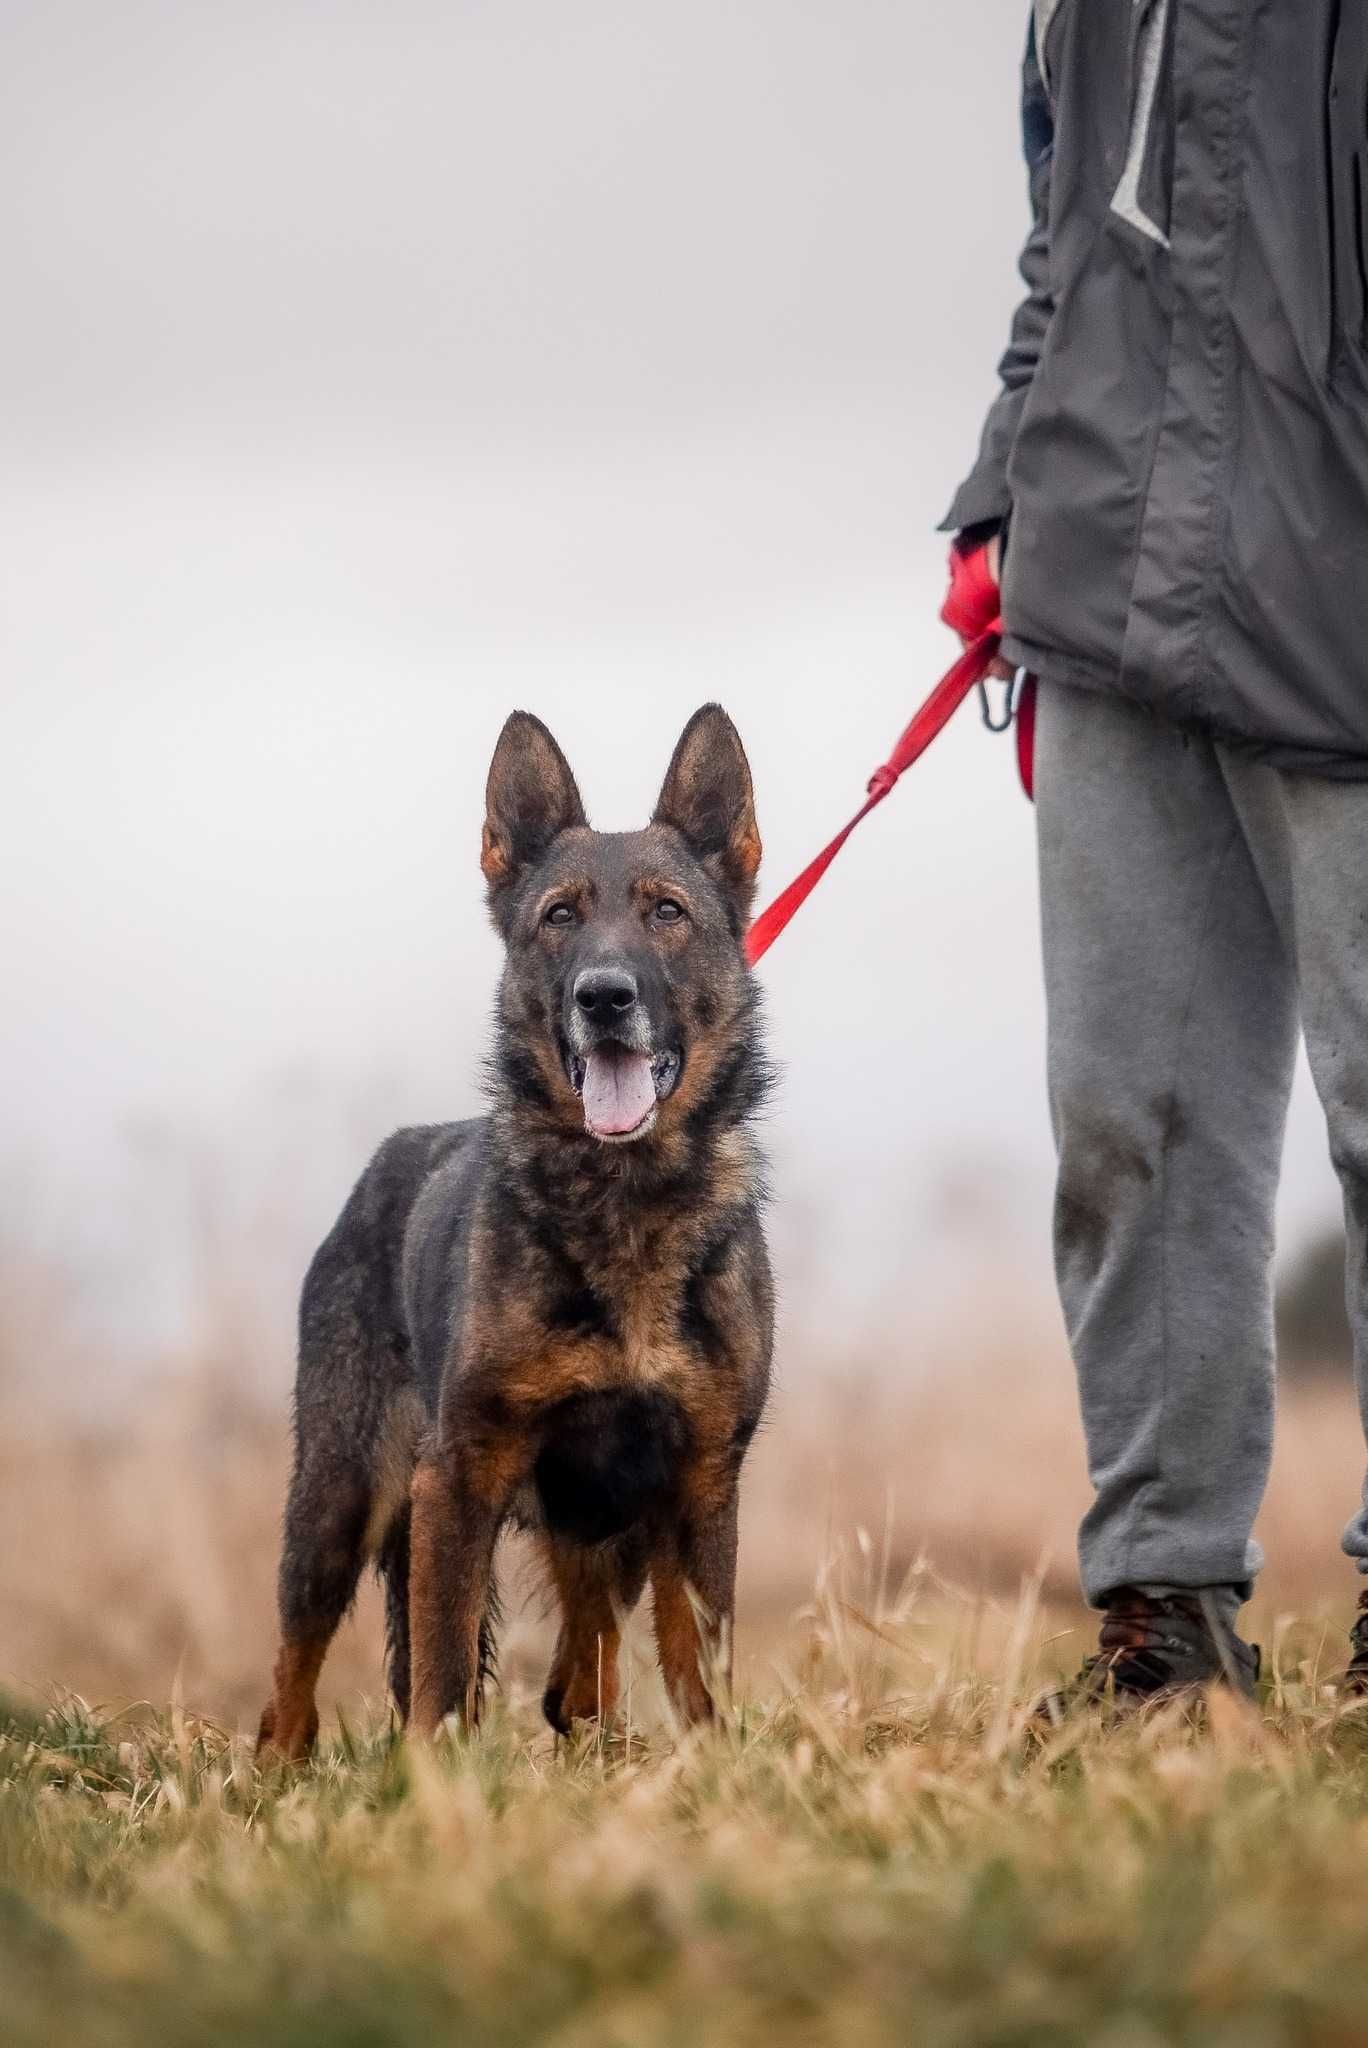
<point>1000,721</point>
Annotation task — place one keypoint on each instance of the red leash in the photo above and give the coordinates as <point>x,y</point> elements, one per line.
<point>971,610</point>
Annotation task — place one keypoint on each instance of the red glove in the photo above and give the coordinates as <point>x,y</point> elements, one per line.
<point>971,603</point>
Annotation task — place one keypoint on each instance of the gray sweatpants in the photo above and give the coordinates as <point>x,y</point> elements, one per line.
<point>1196,906</point>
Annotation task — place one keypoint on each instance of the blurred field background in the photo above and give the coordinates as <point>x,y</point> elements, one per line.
<point>139,1525</point>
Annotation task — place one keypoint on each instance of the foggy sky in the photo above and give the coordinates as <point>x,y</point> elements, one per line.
<point>368,371</point>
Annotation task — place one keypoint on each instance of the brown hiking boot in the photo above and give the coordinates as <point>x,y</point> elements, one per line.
<point>1355,1679</point>
<point>1153,1647</point>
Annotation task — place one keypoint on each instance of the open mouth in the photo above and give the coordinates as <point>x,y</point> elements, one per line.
<point>620,1089</point>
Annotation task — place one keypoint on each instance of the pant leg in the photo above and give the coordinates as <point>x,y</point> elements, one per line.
<point>1328,829</point>
<point>1172,1035</point>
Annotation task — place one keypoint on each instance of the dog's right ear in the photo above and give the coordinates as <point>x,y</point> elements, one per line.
<point>530,800</point>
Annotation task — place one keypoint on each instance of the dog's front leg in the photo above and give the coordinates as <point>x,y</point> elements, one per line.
<point>455,1527</point>
<point>693,1585</point>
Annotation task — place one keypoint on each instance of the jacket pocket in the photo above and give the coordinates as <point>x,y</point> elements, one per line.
<point>1346,176</point>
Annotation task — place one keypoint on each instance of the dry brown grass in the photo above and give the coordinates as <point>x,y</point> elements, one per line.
<point>884,1849</point>
<point>872,1847</point>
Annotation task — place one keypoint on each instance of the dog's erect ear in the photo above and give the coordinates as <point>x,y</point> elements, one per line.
<point>530,799</point>
<point>708,799</point>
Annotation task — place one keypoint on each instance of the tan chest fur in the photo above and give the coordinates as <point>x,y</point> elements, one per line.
<point>640,1270</point>
<point>533,1368</point>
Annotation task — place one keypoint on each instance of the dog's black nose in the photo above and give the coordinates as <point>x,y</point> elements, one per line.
<point>605,994</point>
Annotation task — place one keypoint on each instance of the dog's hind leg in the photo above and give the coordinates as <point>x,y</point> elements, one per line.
<point>350,1480</point>
<point>393,1562</point>
<point>326,1517</point>
<point>597,1586</point>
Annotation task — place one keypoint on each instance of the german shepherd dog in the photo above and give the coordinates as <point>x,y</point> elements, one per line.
<point>559,1315</point>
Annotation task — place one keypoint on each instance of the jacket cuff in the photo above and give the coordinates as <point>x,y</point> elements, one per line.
<point>981,500</point>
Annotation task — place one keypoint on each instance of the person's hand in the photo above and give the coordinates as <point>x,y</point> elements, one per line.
<point>954,613</point>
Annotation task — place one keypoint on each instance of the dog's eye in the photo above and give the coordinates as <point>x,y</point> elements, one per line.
<point>560,913</point>
<point>667,911</point>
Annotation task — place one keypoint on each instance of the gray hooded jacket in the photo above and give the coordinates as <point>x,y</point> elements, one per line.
<point>1181,440</point>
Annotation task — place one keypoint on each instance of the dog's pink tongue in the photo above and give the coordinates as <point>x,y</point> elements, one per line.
<point>619,1091</point>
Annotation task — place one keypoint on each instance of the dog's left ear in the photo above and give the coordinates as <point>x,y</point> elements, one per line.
<point>530,799</point>
<point>709,800</point>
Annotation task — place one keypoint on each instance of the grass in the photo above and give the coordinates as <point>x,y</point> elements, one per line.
<point>870,1849</point>
<point>880,1851</point>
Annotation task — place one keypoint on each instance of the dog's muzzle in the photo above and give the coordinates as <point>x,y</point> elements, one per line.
<point>620,1076</point>
<point>620,1086</point>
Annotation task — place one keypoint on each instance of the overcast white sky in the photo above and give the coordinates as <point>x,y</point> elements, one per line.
<point>369,371</point>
